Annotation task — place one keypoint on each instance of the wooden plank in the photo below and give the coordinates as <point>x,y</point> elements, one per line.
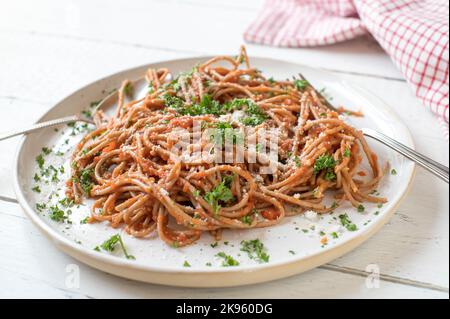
<point>27,272</point>
<point>190,27</point>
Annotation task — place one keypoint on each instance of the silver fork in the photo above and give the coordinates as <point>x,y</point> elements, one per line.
<point>427,163</point>
<point>68,119</point>
<point>38,126</point>
<point>108,101</point>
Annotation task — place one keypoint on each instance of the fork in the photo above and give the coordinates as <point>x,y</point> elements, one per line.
<point>427,163</point>
<point>80,117</point>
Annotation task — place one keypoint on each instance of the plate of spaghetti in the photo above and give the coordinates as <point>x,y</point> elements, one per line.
<point>213,171</point>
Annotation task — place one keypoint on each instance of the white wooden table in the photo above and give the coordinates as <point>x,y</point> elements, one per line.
<point>50,48</point>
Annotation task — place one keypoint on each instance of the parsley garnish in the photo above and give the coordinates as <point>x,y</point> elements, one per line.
<point>346,152</point>
<point>87,114</point>
<point>247,219</point>
<point>301,84</point>
<point>46,150</point>
<point>347,223</point>
<point>214,245</point>
<point>255,116</point>
<point>86,180</point>
<point>186,264</point>
<point>40,161</point>
<point>324,162</point>
<point>393,171</point>
<point>255,250</point>
<point>221,193</point>
<point>57,214</point>
<point>327,163</point>
<point>298,161</point>
<point>36,189</point>
<point>66,202</point>
<point>228,261</point>
<point>128,89</point>
<point>206,106</point>
<point>361,208</point>
<point>111,244</point>
<point>225,132</point>
<point>40,207</point>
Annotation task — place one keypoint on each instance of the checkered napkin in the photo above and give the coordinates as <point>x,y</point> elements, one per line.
<point>415,33</point>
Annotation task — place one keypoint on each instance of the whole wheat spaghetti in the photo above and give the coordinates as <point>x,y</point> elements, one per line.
<point>129,167</point>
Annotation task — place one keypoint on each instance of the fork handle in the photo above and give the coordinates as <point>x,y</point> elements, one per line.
<point>38,126</point>
<point>430,165</point>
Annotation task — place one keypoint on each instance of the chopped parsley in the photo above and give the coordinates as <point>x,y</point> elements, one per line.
<point>292,252</point>
<point>301,84</point>
<point>111,244</point>
<point>220,193</point>
<point>255,250</point>
<point>40,206</point>
<point>347,223</point>
<point>325,163</point>
<point>128,89</point>
<point>254,115</point>
<point>361,208</point>
<point>186,264</point>
<point>77,129</point>
<point>207,105</point>
<point>330,176</point>
<point>247,219</point>
<point>346,152</point>
<point>57,214</point>
<point>40,161</point>
<point>297,161</point>
<point>224,132</point>
<point>94,104</point>
<point>36,189</point>
<point>87,113</point>
<point>228,261</point>
<point>66,202</point>
<point>214,245</point>
<point>393,171</point>
<point>84,220</point>
<point>86,180</point>
<point>46,150</point>
<point>236,104</point>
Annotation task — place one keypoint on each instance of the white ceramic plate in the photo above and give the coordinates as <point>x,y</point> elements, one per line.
<point>294,245</point>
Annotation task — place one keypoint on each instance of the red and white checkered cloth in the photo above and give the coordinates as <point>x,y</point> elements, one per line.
<point>415,33</point>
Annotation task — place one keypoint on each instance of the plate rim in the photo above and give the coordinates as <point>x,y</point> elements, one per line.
<point>302,263</point>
